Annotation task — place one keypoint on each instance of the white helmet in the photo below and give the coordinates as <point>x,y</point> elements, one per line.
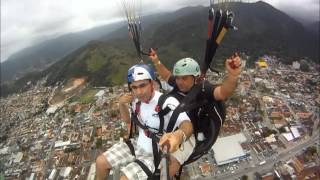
<point>140,72</point>
<point>186,66</point>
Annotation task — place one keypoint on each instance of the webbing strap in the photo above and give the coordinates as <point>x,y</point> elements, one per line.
<point>147,132</point>
<point>161,115</point>
<point>185,105</point>
<point>156,153</point>
<point>162,112</point>
<point>129,144</point>
<point>215,125</point>
<point>153,136</point>
<point>131,130</point>
<point>144,167</point>
<point>135,120</point>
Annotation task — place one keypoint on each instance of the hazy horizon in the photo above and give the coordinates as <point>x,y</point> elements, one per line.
<point>24,24</point>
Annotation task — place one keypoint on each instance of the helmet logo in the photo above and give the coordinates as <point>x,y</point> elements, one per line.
<point>140,72</point>
<point>186,66</point>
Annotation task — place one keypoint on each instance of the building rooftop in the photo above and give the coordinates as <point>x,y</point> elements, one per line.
<point>65,172</point>
<point>228,148</point>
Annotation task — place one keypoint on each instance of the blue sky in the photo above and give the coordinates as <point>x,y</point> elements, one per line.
<point>26,22</point>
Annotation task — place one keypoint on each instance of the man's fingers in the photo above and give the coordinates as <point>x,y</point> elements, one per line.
<point>163,139</point>
<point>152,52</point>
<point>232,64</point>
<point>126,98</point>
<point>166,146</point>
<point>234,61</point>
<point>129,96</point>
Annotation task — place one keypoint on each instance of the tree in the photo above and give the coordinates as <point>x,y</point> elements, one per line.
<point>98,143</point>
<point>114,113</point>
<point>282,129</point>
<point>312,150</point>
<point>244,177</point>
<point>304,66</point>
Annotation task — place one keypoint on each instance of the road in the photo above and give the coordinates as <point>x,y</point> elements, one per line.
<point>282,156</point>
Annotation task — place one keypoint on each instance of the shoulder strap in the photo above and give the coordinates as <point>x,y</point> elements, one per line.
<point>162,112</point>
<point>186,104</point>
<point>134,118</point>
<point>154,138</point>
<point>144,167</point>
<point>138,105</point>
<point>130,145</point>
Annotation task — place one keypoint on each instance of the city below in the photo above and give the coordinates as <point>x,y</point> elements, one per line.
<point>271,129</point>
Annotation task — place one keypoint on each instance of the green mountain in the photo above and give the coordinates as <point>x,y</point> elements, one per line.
<point>262,29</point>
<point>44,54</point>
<point>314,28</point>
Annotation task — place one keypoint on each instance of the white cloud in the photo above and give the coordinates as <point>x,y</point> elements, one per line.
<point>303,10</point>
<point>25,22</point>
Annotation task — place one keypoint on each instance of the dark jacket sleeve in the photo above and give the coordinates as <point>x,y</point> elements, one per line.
<point>208,92</point>
<point>172,81</point>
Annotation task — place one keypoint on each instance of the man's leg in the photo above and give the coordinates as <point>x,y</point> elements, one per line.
<point>180,156</point>
<point>117,155</point>
<point>123,178</point>
<point>103,167</point>
<point>174,166</point>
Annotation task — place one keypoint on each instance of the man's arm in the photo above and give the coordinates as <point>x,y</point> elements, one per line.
<point>160,68</point>
<point>124,100</point>
<point>177,137</point>
<point>226,89</point>
<point>185,130</point>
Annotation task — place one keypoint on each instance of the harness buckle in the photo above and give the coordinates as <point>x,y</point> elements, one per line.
<point>146,132</point>
<point>157,109</point>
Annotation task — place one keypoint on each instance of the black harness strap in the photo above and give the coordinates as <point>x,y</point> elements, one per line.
<point>173,119</point>
<point>132,125</point>
<point>218,124</point>
<point>162,112</point>
<point>185,105</point>
<point>144,168</point>
<point>155,137</point>
<point>129,144</point>
<point>134,117</point>
<point>156,153</point>
<point>148,133</point>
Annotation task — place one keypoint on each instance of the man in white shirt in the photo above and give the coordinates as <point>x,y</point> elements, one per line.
<point>181,140</point>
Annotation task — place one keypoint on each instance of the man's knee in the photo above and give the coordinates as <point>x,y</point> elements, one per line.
<point>123,178</point>
<point>101,162</point>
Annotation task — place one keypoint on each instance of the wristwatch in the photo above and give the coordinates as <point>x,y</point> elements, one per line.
<point>157,63</point>
<point>184,137</point>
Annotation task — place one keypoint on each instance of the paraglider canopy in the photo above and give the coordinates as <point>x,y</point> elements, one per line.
<point>219,22</point>
<point>132,10</point>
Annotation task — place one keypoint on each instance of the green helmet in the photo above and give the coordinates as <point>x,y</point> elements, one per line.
<point>186,66</point>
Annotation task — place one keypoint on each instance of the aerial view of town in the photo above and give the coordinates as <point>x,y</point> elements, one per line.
<point>160,90</point>
<point>271,130</point>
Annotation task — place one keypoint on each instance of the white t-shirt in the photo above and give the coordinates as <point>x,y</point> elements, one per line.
<point>148,116</point>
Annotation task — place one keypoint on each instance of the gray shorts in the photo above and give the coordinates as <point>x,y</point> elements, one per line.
<point>119,155</point>
<point>183,153</point>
